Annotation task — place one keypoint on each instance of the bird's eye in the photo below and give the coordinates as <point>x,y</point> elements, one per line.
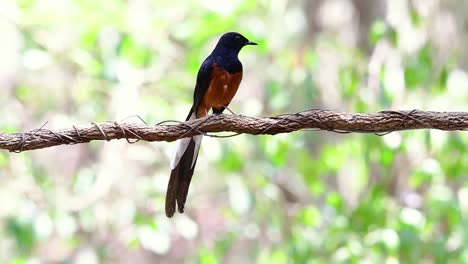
<point>237,37</point>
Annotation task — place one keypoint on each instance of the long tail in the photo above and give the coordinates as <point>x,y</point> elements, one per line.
<point>182,165</point>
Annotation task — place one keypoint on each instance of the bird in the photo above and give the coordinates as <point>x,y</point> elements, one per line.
<point>217,82</point>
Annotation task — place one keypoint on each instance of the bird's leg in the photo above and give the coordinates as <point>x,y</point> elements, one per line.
<point>226,107</point>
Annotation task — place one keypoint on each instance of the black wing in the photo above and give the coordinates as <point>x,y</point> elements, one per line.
<point>203,81</point>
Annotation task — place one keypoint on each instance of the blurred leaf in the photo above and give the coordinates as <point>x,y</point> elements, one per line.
<point>386,157</point>
<point>415,18</point>
<point>377,31</point>
<point>335,200</point>
<point>333,157</point>
<point>278,256</point>
<point>232,161</point>
<point>311,59</point>
<point>442,81</point>
<point>134,243</point>
<point>308,169</point>
<point>309,216</point>
<point>134,53</point>
<point>87,62</point>
<point>141,219</point>
<point>3,160</point>
<point>22,232</point>
<point>349,80</point>
<point>277,149</point>
<point>17,261</point>
<point>393,35</point>
<point>277,97</point>
<point>207,257</point>
<point>419,178</point>
<point>418,72</point>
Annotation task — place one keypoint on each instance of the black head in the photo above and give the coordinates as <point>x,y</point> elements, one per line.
<point>233,41</point>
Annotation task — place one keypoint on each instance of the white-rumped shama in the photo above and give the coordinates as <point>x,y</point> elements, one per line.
<point>217,82</point>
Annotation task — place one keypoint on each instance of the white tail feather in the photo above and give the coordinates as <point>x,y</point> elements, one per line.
<point>196,149</point>
<point>181,147</point>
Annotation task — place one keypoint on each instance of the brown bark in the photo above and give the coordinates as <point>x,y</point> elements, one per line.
<point>379,123</point>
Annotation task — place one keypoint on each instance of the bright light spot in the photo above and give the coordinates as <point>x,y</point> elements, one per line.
<point>252,106</point>
<point>457,83</point>
<point>101,214</point>
<point>441,193</point>
<point>238,195</point>
<point>271,191</point>
<point>127,74</point>
<point>393,140</point>
<point>438,138</point>
<point>394,78</point>
<point>397,12</point>
<point>463,200</point>
<point>355,247</point>
<point>298,75</point>
<point>411,38</point>
<point>295,21</point>
<point>33,261</point>
<point>412,217</point>
<point>86,256</point>
<point>186,227</point>
<point>341,255</point>
<point>214,146</point>
<point>154,240</point>
<point>390,238</point>
<point>27,211</point>
<point>43,226</point>
<point>417,147</point>
<point>65,225</point>
<point>336,13</point>
<point>109,38</point>
<point>125,211</point>
<point>159,182</point>
<point>10,10</point>
<point>425,7</point>
<point>84,180</point>
<point>431,166</point>
<point>11,46</point>
<point>454,242</point>
<point>372,238</point>
<point>221,6</point>
<point>392,260</point>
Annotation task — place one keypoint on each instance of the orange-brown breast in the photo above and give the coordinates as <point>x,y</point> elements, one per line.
<point>222,88</point>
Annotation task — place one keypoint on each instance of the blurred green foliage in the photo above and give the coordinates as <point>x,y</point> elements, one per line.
<point>306,197</point>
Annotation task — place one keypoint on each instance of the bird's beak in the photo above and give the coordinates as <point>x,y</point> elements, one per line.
<point>251,43</point>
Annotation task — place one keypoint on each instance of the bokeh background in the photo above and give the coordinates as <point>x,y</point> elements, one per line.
<point>304,197</point>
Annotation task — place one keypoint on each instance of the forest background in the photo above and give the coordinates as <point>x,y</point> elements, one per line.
<point>303,197</point>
